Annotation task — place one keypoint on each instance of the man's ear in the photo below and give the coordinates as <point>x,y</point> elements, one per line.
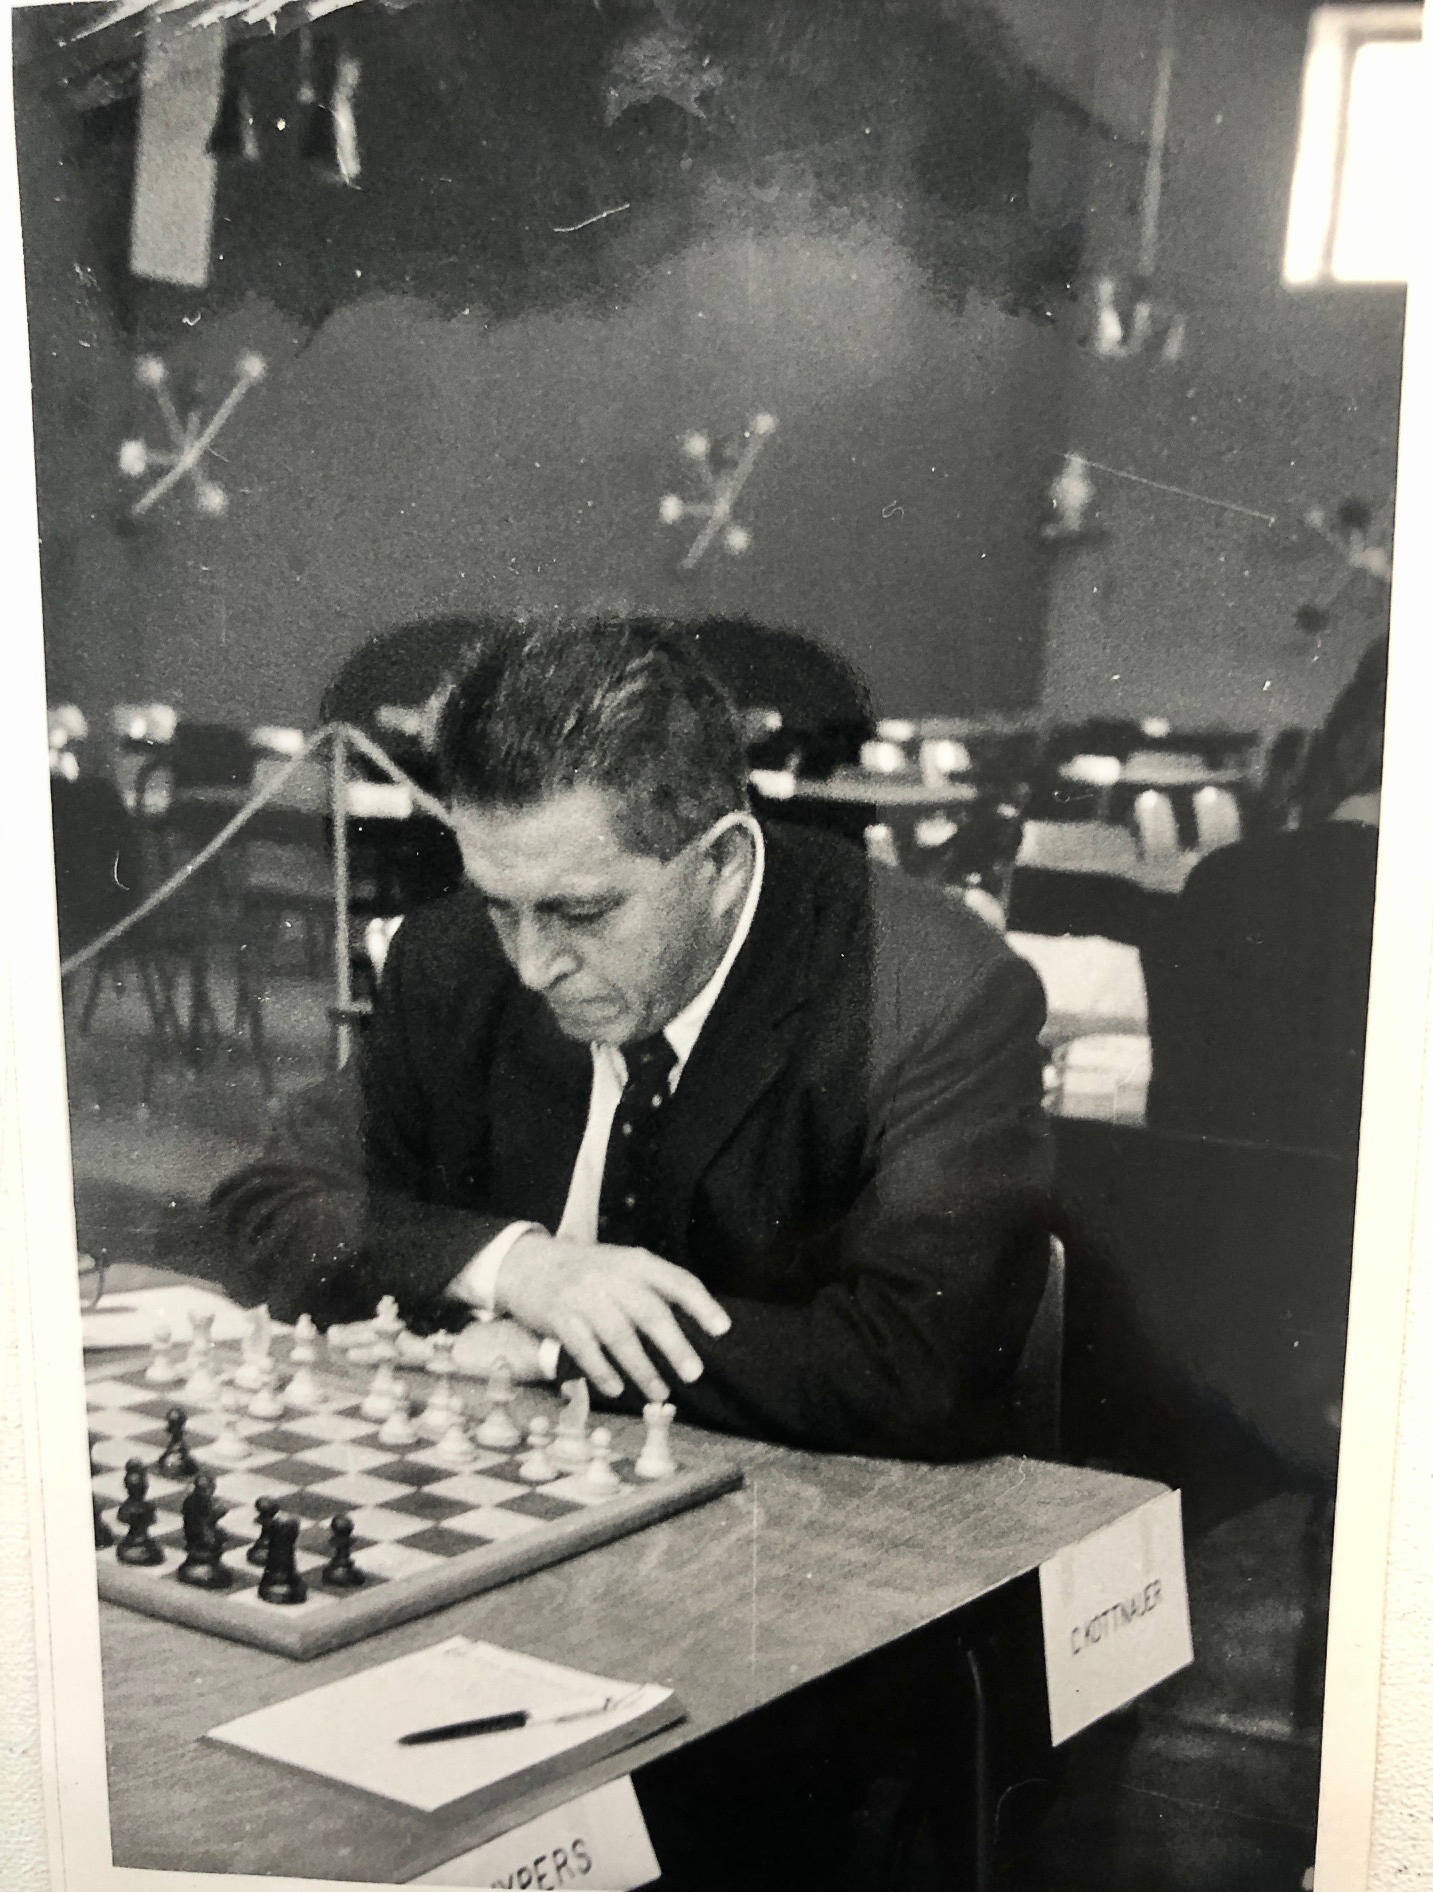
<point>732,852</point>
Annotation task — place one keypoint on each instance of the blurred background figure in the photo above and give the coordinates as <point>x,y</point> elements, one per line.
<point>1258,977</point>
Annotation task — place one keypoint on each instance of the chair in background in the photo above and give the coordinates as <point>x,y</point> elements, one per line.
<point>1205,1332</point>
<point>1217,818</point>
<point>101,876</point>
<point>1078,877</point>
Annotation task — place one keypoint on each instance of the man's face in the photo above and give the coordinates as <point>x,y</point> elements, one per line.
<point>617,943</point>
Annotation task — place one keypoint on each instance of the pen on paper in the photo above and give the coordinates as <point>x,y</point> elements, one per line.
<point>513,1719</point>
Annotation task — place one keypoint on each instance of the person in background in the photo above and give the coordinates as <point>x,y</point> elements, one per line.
<point>1258,977</point>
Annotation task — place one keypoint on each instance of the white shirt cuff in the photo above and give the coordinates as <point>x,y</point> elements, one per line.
<point>477,1284</point>
<point>548,1355</point>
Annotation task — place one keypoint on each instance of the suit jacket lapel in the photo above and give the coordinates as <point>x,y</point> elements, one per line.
<point>745,1044</point>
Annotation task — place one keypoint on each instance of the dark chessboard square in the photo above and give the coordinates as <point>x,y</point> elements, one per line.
<point>439,1542</point>
<point>403,1471</point>
<point>536,1504</point>
<point>156,1408</point>
<point>310,1505</point>
<point>426,1504</point>
<point>282,1439</point>
<point>297,1472</point>
<point>507,1469</point>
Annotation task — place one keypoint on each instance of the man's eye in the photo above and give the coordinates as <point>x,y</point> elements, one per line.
<point>586,916</point>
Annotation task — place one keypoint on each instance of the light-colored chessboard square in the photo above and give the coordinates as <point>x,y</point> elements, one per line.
<point>117,1393</point>
<point>172,1559</point>
<point>395,1560</point>
<point>120,1451</point>
<point>573,1488</point>
<point>387,1527</point>
<point>473,1488</point>
<point>242,1487</point>
<point>340,1456</point>
<point>480,1461</point>
<point>208,1425</point>
<point>489,1521</point>
<point>120,1422</point>
<point>359,1488</point>
<point>334,1426</point>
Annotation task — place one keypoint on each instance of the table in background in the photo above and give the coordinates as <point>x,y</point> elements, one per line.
<point>816,1563</point>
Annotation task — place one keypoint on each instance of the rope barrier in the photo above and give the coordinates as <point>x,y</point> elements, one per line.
<point>241,818</point>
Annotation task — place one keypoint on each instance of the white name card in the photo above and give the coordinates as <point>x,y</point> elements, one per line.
<point>1116,1615</point>
<point>598,1843</point>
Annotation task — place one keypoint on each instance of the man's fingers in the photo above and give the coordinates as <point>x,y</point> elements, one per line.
<point>651,1314</point>
<point>619,1340</point>
<point>676,1285</point>
<point>586,1350</point>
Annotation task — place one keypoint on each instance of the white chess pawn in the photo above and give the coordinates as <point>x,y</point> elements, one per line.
<point>383,1388</point>
<point>229,1447</point>
<point>599,1480</point>
<point>569,1448</point>
<point>655,1460</point>
<point>498,1430</point>
<point>537,1467</point>
<point>304,1391</point>
<point>397,1428</point>
<point>257,1340</point>
<point>455,1447</point>
<point>305,1348</point>
<point>268,1401</point>
<point>162,1369</point>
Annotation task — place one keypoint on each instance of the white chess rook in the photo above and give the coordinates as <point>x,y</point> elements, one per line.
<point>655,1459</point>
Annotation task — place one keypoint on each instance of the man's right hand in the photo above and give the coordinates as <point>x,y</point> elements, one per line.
<point>607,1306</point>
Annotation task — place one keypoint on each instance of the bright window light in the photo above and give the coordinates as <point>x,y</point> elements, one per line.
<point>1362,149</point>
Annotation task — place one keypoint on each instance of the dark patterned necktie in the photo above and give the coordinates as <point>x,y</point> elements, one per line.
<point>627,1214</point>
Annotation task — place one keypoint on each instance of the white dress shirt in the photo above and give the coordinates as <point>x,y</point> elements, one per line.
<point>477,1284</point>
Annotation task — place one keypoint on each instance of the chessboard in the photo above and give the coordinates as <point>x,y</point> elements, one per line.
<point>435,1519</point>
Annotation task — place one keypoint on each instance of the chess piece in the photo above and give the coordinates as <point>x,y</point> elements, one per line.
<point>203,1567</point>
<point>397,1428</point>
<point>434,1419</point>
<point>137,1513</point>
<point>176,1460</point>
<point>599,1480</point>
<point>537,1467</point>
<point>341,1572</point>
<point>162,1369</point>
<point>569,1448</point>
<point>281,1582</point>
<point>387,1326</point>
<point>265,1511</point>
<point>382,1392</point>
<point>455,1447</point>
<point>201,1384</point>
<point>655,1460</point>
<point>268,1402</point>
<point>104,1536</point>
<point>249,1374</point>
<point>229,1447</point>
<point>498,1430</point>
<point>303,1390</point>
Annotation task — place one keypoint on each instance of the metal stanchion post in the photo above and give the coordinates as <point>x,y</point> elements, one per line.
<point>342,968</point>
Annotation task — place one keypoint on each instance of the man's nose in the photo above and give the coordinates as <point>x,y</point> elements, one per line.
<point>540,960</point>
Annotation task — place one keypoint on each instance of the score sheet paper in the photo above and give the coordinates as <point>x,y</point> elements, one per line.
<point>598,1841</point>
<point>1115,1609</point>
<point>348,1730</point>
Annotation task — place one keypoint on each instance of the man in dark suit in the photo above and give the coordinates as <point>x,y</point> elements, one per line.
<point>670,1101</point>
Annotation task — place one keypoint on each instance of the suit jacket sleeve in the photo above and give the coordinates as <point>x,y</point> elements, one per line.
<point>929,1284</point>
<point>335,1212</point>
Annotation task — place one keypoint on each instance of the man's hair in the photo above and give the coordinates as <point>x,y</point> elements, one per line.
<point>616,704</point>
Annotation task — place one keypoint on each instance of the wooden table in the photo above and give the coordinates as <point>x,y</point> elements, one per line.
<point>818,1562</point>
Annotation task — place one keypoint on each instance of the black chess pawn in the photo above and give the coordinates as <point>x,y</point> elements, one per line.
<point>341,1572</point>
<point>176,1460</point>
<point>203,1566</point>
<point>265,1511</point>
<point>281,1582</point>
<point>137,1513</point>
<point>104,1536</point>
